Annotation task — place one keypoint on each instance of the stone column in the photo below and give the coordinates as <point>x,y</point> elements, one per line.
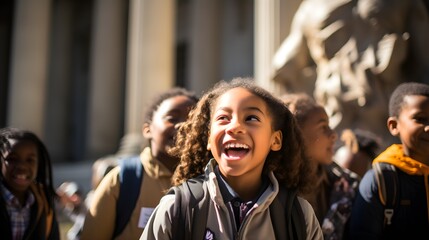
<point>204,45</point>
<point>267,40</point>
<point>151,49</point>
<point>58,113</point>
<point>107,77</point>
<point>272,25</point>
<point>29,60</point>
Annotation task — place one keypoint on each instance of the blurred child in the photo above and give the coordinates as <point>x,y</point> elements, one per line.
<point>247,146</point>
<point>359,148</point>
<point>334,189</point>
<point>27,193</point>
<point>167,111</point>
<point>409,121</point>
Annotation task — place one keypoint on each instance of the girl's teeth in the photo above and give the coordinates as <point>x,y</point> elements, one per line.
<point>236,145</point>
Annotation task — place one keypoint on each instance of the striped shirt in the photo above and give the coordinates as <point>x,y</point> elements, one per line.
<point>19,215</point>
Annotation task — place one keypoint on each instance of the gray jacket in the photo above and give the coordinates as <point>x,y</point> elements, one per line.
<point>256,225</point>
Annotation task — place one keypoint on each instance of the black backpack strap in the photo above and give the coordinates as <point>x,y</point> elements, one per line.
<point>387,181</point>
<point>130,178</point>
<point>190,213</point>
<point>298,220</point>
<point>279,216</point>
<point>287,216</point>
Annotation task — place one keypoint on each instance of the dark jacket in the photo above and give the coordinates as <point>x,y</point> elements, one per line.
<point>410,219</point>
<point>43,223</point>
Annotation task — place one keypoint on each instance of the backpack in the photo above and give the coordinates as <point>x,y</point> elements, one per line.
<point>130,178</point>
<point>190,212</point>
<point>387,181</point>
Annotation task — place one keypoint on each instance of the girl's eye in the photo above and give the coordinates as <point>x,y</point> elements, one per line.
<point>252,118</point>
<point>221,118</point>
<point>11,158</point>
<point>421,119</point>
<point>15,160</point>
<point>31,160</point>
<point>171,119</point>
<point>326,129</point>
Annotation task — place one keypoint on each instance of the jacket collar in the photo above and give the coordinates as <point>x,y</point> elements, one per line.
<point>153,167</point>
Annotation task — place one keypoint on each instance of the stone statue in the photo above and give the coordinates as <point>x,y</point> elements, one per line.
<point>351,54</point>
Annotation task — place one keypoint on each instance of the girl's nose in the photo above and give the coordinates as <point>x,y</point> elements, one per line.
<point>235,127</point>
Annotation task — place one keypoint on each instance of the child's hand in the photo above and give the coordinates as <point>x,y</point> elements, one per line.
<point>69,195</point>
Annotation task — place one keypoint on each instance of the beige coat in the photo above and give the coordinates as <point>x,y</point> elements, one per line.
<point>100,219</point>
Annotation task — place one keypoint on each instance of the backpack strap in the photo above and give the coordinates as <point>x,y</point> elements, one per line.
<point>387,181</point>
<point>298,220</point>
<point>130,178</point>
<point>278,216</point>
<point>190,212</point>
<point>286,210</point>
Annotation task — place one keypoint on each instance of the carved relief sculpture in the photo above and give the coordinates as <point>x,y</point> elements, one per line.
<point>358,52</point>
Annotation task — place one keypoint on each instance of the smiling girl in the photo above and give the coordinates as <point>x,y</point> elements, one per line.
<point>247,146</point>
<point>27,193</point>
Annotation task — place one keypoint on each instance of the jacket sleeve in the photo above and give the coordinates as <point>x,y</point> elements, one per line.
<point>160,222</point>
<point>314,232</point>
<point>100,218</point>
<point>366,221</point>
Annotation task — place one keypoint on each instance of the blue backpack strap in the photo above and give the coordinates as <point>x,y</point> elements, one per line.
<point>130,178</point>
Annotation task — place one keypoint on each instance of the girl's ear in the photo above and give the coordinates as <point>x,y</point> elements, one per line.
<point>277,141</point>
<point>392,125</point>
<point>146,131</point>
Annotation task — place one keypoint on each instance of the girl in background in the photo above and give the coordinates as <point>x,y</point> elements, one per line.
<point>167,111</point>
<point>335,188</point>
<point>27,193</point>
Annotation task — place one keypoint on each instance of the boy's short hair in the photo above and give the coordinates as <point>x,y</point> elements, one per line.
<point>405,89</point>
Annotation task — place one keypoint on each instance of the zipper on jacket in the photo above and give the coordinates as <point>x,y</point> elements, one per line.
<point>239,233</point>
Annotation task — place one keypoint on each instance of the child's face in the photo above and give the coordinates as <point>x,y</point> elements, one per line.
<point>319,137</point>
<point>412,127</point>
<point>241,134</point>
<point>19,168</point>
<point>165,122</point>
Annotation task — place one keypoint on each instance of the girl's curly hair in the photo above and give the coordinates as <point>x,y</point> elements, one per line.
<point>289,165</point>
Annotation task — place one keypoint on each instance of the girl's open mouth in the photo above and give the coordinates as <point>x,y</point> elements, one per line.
<point>235,150</point>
